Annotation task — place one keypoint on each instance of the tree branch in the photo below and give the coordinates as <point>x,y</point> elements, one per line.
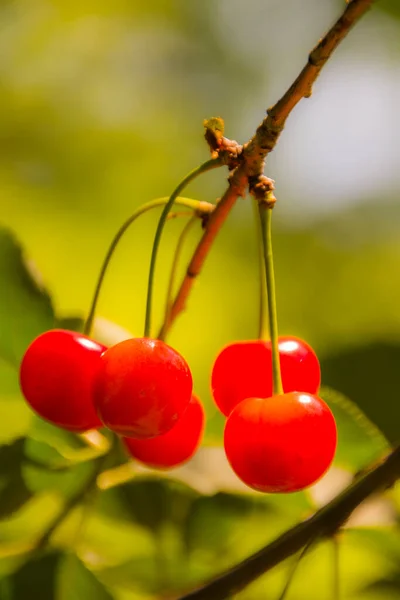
<point>237,187</point>
<point>323,523</point>
<point>252,158</point>
<point>268,132</point>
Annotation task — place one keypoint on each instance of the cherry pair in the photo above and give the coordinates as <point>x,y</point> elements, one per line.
<point>140,388</point>
<point>274,443</point>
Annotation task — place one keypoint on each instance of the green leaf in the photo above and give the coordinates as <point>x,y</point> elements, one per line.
<point>392,7</point>
<point>46,469</point>
<point>386,540</point>
<point>15,414</point>
<point>73,323</point>
<point>369,376</point>
<point>25,306</point>
<point>160,575</point>
<point>34,579</point>
<point>359,441</point>
<point>225,528</point>
<point>77,582</point>
<point>153,503</point>
<point>14,492</point>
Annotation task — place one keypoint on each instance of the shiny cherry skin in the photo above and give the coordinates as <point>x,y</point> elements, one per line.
<point>175,447</point>
<point>142,388</point>
<point>244,370</point>
<point>280,444</point>
<point>56,378</point>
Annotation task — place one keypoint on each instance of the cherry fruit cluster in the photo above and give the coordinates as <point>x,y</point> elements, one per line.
<point>141,389</point>
<point>274,442</point>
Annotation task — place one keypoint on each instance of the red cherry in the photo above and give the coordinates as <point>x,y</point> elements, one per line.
<point>280,444</point>
<point>176,446</point>
<point>142,388</point>
<point>56,378</point>
<point>244,370</point>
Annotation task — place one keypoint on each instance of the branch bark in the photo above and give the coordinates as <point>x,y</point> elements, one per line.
<point>252,159</point>
<point>323,523</point>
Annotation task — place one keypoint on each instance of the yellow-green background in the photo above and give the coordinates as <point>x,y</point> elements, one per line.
<point>101,109</point>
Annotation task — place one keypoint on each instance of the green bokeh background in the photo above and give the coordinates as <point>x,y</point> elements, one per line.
<point>101,109</point>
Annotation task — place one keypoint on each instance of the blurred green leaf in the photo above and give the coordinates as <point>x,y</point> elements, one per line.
<point>369,375</point>
<point>359,440</point>
<point>14,492</point>
<point>156,502</point>
<point>161,575</point>
<point>73,447</point>
<point>392,7</point>
<point>225,528</point>
<point>78,583</point>
<point>45,469</point>
<point>387,588</point>
<point>35,579</point>
<point>15,414</point>
<point>385,539</point>
<point>114,540</point>
<point>25,306</point>
<point>70,323</point>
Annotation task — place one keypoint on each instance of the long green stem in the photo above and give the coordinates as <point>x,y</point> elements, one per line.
<point>174,268</point>
<point>263,326</point>
<point>266,219</point>
<point>187,202</point>
<point>207,166</point>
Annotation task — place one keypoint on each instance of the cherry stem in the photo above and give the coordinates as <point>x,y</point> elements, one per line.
<point>206,166</point>
<point>263,321</point>
<point>172,277</point>
<point>187,202</point>
<point>266,219</point>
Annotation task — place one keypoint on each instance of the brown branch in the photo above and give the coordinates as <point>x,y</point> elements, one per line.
<point>322,524</point>
<point>268,132</point>
<point>254,152</point>
<point>237,187</point>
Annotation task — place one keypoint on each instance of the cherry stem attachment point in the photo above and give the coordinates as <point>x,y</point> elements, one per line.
<point>195,205</point>
<point>206,166</point>
<point>266,219</point>
<point>172,278</point>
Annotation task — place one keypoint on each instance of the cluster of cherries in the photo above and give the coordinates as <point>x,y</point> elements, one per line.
<point>142,390</point>
<point>274,443</point>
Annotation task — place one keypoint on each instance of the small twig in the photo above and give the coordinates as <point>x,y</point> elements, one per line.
<point>237,187</point>
<point>252,157</point>
<point>323,523</point>
<point>293,570</point>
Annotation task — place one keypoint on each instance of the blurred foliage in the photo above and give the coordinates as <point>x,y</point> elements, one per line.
<point>101,109</point>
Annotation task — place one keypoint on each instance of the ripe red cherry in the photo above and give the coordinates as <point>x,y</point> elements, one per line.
<point>142,388</point>
<point>244,370</point>
<point>280,444</point>
<point>176,446</point>
<point>56,378</point>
